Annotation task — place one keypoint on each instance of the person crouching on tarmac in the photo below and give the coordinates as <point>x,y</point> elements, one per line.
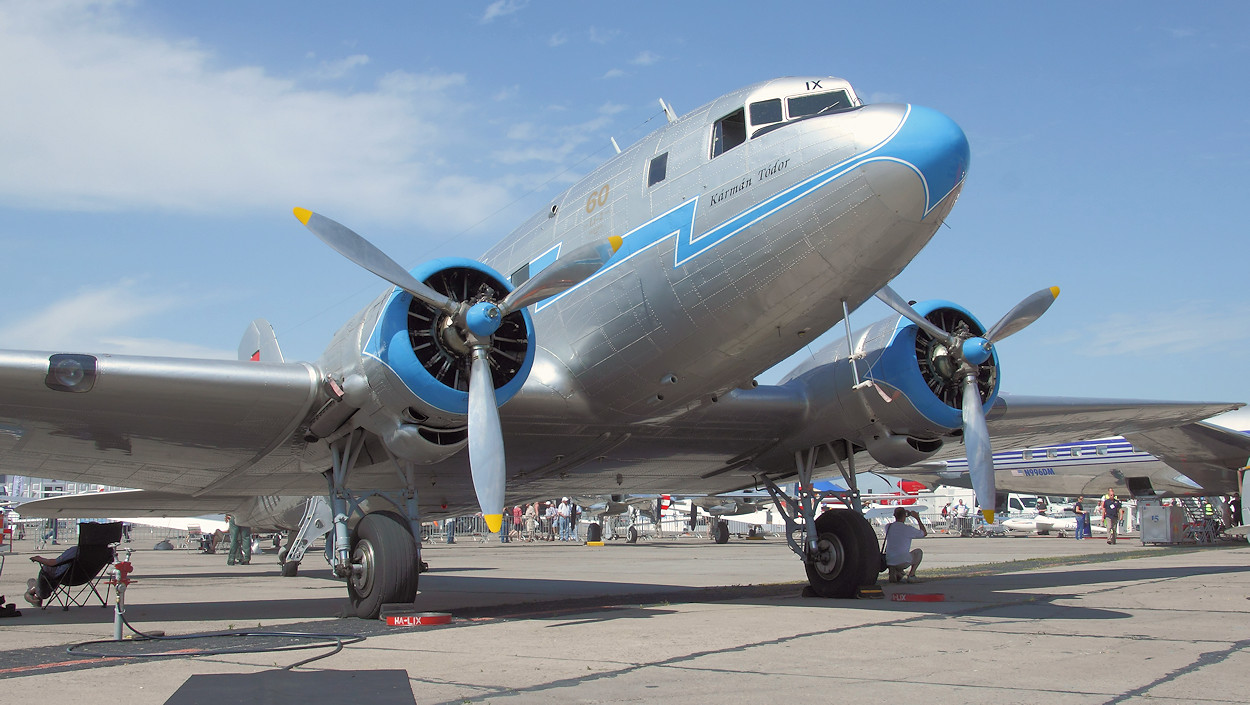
<point>899,555</point>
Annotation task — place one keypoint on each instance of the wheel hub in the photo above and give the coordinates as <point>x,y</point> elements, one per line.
<point>363,561</point>
<point>830,555</point>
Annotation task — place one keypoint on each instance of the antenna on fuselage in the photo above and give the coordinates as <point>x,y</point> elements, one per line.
<point>615,146</point>
<point>668,111</point>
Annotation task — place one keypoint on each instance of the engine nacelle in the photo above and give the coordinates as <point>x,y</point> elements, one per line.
<point>405,366</point>
<point>900,451</point>
<point>910,394</point>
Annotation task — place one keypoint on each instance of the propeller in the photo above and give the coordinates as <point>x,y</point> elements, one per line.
<point>969,351</point>
<point>476,323</point>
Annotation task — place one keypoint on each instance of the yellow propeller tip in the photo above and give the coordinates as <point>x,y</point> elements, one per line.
<point>303,214</point>
<point>615,241</point>
<point>494,522</point>
<point>989,515</point>
<point>1054,291</point>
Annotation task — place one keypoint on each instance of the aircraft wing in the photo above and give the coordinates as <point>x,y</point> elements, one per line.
<point>170,425</point>
<point>1205,453</point>
<point>131,503</point>
<point>1025,421</point>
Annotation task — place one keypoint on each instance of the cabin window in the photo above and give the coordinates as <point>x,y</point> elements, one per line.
<point>1101,450</point>
<point>1051,453</point>
<point>657,170</point>
<point>766,112</point>
<point>729,132</point>
<point>1028,455</point>
<point>833,101</point>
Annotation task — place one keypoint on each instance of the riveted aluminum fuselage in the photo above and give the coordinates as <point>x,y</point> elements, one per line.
<point>732,262</point>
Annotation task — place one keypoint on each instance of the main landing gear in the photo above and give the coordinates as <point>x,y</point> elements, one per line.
<point>381,557</point>
<point>838,548</point>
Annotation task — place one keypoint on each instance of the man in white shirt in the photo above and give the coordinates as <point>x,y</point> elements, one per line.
<point>899,555</point>
<point>563,513</point>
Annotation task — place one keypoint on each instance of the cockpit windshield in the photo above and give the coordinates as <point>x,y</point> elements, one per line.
<point>767,115</point>
<point>804,105</point>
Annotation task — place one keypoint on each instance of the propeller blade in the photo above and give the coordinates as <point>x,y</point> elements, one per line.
<point>890,298</point>
<point>561,275</point>
<point>365,254</point>
<point>1023,314</point>
<point>977,447</point>
<point>486,458</point>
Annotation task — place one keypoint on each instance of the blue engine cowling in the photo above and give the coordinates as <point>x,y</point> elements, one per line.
<point>410,377</point>
<point>910,394</point>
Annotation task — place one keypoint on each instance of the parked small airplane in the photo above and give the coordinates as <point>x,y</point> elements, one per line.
<point>610,344</point>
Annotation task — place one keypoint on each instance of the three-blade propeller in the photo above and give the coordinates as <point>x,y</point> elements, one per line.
<point>970,352</point>
<point>476,322</point>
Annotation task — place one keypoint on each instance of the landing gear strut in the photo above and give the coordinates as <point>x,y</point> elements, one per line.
<point>839,548</point>
<point>380,559</point>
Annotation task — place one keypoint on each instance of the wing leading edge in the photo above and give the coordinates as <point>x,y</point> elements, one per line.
<point>150,423</point>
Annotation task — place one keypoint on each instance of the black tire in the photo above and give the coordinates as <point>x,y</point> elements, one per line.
<point>720,531</point>
<point>594,532</point>
<point>633,535</point>
<point>382,544</point>
<point>850,554</point>
<point>290,569</point>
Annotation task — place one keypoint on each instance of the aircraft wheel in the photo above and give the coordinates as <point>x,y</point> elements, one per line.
<point>290,569</point>
<point>721,532</point>
<point>633,535</point>
<point>847,554</point>
<point>388,560</point>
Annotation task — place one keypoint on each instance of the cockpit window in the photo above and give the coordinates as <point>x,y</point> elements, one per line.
<point>766,112</point>
<point>729,132</point>
<point>801,106</point>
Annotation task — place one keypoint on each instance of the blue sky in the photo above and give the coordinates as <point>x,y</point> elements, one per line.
<point>152,152</point>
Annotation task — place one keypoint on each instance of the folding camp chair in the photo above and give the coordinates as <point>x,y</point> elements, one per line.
<point>74,580</point>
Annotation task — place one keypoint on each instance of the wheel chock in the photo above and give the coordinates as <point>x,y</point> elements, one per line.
<point>870,592</point>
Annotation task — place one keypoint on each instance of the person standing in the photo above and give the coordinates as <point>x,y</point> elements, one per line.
<point>563,513</point>
<point>1081,517</point>
<point>531,522</point>
<point>549,521</point>
<point>1111,515</point>
<point>240,543</point>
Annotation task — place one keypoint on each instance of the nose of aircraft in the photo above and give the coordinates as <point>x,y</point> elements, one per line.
<point>925,141</point>
<point>935,146</point>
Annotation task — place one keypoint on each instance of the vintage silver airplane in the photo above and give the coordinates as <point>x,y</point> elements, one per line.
<point>742,230</point>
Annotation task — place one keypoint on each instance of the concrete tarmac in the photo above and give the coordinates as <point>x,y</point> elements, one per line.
<point>669,620</point>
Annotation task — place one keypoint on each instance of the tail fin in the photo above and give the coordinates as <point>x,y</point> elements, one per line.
<point>259,343</point>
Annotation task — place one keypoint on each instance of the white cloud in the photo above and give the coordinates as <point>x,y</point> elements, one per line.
<point>558,39</point>
<point>329,70</point>
<point>646,58</point>
<point>89,321</point>
<point>614,73</point>
<point>501,8</point>
<point>601,36</point>
<point>102,118</point>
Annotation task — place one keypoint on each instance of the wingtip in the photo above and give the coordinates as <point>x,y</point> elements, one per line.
<point>303,214</point>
